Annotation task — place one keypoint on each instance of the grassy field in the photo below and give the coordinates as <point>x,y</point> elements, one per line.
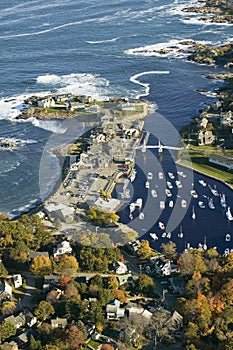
<point>200,161</point>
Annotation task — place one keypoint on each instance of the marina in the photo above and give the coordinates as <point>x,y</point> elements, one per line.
<point>197,201</point>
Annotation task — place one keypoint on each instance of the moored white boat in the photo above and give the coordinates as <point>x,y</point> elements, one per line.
<point>169,185</point>
<point>154,193</point>
<point>171,204</point>
<point>229,214</point>
<point>180,233</point>
<point>223,202</point>
<point>154,236</point>
<point>213,191</point>
<point>132,207</point>
<point>227,237</point>
<point>168,192</point>
<point>168,235</point>
<point>162,205</point>
<point>160,175</point>
<point>161,225</point>
<point>181,173</point>
<point>133,175</point>
<point>194,193</point>
<point>138,203</point>
<point>183,203</point>
<point>147,184</point>
<point>202,183</point>
<point>141,216</point>
<point>211,203</point>
<point>150,175</point>
<point>178,184</point>
<point>171,175</point>
<point>164,234</point>
<point>193,214</point>
<point>201,205</point>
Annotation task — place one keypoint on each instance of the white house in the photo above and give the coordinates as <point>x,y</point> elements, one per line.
<point>17,279</point>
<point>114,311</point>
<point>120,268</point>
<point>60,211</point>
<point>62,248</point>
<point>161,265</point>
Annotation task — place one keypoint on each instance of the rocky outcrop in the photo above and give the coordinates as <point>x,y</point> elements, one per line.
<point>44,113</point>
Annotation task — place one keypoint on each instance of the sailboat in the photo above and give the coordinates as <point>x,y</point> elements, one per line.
<point>161,225</point>
<point>154,236</point>
<point>141,216</point>
<point>229,214</point>
<point>193,214</point>
<point>211,203</point>
<point>223,202</point>
<point>180,234</point>
<point>213,191</point>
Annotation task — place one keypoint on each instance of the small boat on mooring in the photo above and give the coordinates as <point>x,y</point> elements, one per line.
<point>149,175</point>
<point>141,216</point>
<point>138,203</point>
<point>169,185</point>
<point>211,203</point>
<point>154,236</point>
<point>194,193</point>
<point>180,234</point>
<point>202,183</point>
<point>178,184</point>
<point>213,191</point>
<point>168,192</point>
<point>181,173</point>
<point>201,205</point>
<point>171,204</point>
<point>193,214</point>
<point>223,202</point>
<point>154,193</point>
<point>171,175</point>
<point>229,214</point>
<point>168,235</point>
<point>183,203</point>
<point>227,237</point>
<point>161,225</point>
<point>162,205</point>
<point>160,175</point>
<point>147,184</point>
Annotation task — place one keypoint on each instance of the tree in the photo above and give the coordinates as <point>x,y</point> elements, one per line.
<point>70,290</point>
<point>75,308</point>
<point>97,280</point>
<point>44,310</point>
<point>41,266</point>
<point>67,265</point>
<point>8,308</point>
<point>191,261</point>
<point>169,250</point>
<point>144,251</point>
<point>107,347</point>
<point>74,338</point>
<point>120,295</point>
<point>3,270</point>
<point>95,313</point>
<point>112,282</point>
<point>7,329</point>
<point>145,284</point>
<point>35,344</point>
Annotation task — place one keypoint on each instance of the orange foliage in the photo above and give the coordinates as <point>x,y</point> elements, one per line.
<point>64,281</point>
<point>120,295</point>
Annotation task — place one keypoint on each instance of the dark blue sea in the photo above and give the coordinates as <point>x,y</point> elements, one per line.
<point>104,49</point>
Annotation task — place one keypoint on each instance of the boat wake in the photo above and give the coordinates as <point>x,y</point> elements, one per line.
<point>134,79</point>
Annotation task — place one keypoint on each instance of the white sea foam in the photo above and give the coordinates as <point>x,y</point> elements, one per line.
<point>134,79</point>
<point>171,49</point>
<point>103,41</point>
<point>50,125</point>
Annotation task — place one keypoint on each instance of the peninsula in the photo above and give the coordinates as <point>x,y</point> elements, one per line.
<point>95,162</point>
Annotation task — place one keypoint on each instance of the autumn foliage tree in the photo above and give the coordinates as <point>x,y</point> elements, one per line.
<point>74,338</point>
<point>41,266</point>
<point>145,251</point>
<point>67,265</point>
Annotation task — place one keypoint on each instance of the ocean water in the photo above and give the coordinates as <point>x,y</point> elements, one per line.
<point>100,48</point>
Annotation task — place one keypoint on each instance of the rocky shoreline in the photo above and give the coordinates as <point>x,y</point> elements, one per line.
<point>213,11</point>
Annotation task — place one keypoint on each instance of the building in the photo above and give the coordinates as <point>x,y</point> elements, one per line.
<point>62,248</point>
<point>205,137</point>
<point>19,320</point>
<point>226,162</point>
<point>161,265</point>
<point>59,322</point>
<point>17,279</point>
<point>114,311</point>
<point>5,291</point>
<point>60,211</point>
<point>120,268</point>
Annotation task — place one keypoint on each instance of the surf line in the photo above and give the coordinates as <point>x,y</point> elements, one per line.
<point>134,79</point>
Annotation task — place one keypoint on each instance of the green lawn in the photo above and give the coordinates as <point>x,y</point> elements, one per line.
<point>200,161</point>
